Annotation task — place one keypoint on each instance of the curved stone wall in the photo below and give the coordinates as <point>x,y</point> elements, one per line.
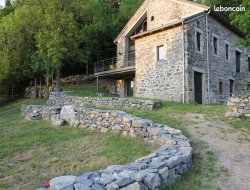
<point>61,98</point>
<point>165,164</point>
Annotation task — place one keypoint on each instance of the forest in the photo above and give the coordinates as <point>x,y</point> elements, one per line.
<point>47,39</point>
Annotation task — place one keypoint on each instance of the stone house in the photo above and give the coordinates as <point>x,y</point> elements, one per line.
<point>181,51</point>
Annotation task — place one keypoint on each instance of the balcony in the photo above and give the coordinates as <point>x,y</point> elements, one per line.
<point>109,66</point>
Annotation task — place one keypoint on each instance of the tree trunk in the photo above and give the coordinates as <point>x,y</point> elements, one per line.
<point>35,88</point>
<point>40,88</point>
<point>58,81</point>
<point>87,72</point>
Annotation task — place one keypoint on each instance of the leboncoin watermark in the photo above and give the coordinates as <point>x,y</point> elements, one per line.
<point>229,9</point>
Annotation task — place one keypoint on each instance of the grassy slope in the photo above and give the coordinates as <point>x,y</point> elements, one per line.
<point>205,170</point>
<point>32,152</point>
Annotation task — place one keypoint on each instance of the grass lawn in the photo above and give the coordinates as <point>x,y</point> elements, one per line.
<point>33,152</point>
<point>86,90</point>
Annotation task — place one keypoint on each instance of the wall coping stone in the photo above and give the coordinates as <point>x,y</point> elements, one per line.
<point>165,164</point>
<point>61,98</point>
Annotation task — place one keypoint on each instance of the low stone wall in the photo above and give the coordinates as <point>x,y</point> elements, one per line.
<point>165,164</point>
<point>62,98</point>
<point>238,107</point>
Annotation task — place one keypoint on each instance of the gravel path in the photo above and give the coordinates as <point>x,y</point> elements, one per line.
<point>232,148</point>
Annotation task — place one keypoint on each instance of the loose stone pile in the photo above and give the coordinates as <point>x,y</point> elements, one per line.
<point>62,98</point>
<point>164,165</point>
<point>238,107</point>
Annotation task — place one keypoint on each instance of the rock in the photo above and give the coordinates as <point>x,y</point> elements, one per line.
<point>175,160</point>
<point>122,182</point>
<point>56,121</point>
<point>163,173</point>
<point>135,186</point>
<point>112,186</point>
<point>80,186</point>
<point>152,180</point>
<point>98,187</point>
<point>59,183</point>
<point>114,168</point>
<point>104,179</point>
<point>156,165</point>
<point>138,176</point>
<point>88,176</point>
<point>154,131</point>
<point>136,166</point>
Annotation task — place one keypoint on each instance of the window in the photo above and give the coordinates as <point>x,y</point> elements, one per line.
<point>198,24</point>
<point>160,53</point>
<point>238,55</point>
<point>248,64</point>
<point>215,45</point>
<point>227,52</point>
<point>198,41</point>
<point>152,18</point>
<point>231,87</point>
<point>248,86</point>
<point>220,87</point>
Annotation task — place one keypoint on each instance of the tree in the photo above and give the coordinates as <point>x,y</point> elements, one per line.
<point>242,19</point>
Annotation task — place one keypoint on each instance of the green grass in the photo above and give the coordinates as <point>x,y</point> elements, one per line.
<point>86,90</point>
<point>33,152</point>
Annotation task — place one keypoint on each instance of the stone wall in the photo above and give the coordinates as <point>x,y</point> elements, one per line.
<point>165,164</point>
<point>221,70</point>
<point>160,79</point>
<point>238,107</point>
<point>61,98</point>
<point>242,84</point>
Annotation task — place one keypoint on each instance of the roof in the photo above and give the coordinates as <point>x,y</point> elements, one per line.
<point>143,6</point>
<point>176,23</point>
<point>192,3</point>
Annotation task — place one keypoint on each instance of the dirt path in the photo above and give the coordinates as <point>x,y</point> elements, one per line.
<point>231,146</point>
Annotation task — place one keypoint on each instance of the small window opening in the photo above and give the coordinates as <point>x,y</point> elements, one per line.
<point>227,52</point>
<point>152,18</point>
<point>198,24</point>
<point>215,45</point>
<point>238,55</point>
<point>221,87</point>
<point>160,53</point>
<point>248,86</point>
<point>198,41</point>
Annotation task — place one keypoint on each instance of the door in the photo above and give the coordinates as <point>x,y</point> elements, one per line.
<point>129,87</point>
<point>231,87</point>
<point>198,87</point>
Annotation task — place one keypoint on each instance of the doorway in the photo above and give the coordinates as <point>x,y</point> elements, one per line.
<point>198,87</point>
<point>129,87</point>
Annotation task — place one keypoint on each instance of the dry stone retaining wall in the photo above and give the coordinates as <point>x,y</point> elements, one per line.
<point>238,107</point>
<point>62,98</point>
<point>165,164</point>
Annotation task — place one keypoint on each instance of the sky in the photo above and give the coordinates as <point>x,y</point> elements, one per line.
<point>2,2</point>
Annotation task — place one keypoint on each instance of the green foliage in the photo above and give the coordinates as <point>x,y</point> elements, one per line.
<point>38,37</point>
<point>242,19</point>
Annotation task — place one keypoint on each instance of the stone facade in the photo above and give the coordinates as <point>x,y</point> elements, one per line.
<point>242,81</point>
<point>62,98</point>
<point>160,79</point>
<point>238,107</point>
<point>165,164</point>
<point>220,69</point>
<point>177,25</point>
